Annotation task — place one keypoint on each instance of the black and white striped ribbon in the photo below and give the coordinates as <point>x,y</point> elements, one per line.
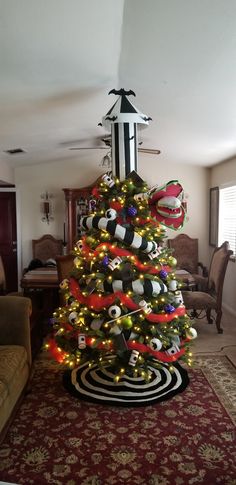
<point>129,237</point>
<point>143,286</point>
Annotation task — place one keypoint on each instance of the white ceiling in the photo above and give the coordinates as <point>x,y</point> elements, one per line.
<point>60,58</point>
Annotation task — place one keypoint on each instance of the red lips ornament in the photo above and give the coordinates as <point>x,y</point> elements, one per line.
<point>166,205</point>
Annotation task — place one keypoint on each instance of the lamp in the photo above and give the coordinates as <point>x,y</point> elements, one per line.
<point>106,160</point>
<point>46,207</point>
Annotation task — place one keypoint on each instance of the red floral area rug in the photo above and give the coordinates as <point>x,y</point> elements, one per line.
<point>189,439</point>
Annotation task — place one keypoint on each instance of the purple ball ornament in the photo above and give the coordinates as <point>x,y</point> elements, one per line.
<point>51,321</point>
<point>169,308</point>
<point>163,274</point>
<point>105,261</point>
<point>132,211</point>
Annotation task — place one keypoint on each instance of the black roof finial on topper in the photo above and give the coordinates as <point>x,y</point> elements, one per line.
<point>122,92</point>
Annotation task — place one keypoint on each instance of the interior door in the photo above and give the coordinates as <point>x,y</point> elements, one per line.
<point>8,240</point>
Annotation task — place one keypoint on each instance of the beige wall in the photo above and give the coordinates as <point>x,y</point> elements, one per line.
<point>32,181</point>
<point>6,173</point>
<point>222,174</point>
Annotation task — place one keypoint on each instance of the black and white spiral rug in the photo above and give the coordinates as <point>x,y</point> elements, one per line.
<point>91,383</point>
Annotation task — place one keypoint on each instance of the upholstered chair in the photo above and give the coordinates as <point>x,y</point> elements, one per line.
<point>185,250</point>
<point>202,303</point>
<point>46,247</point>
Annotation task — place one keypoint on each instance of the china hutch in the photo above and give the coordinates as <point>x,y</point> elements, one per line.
<point>79,202</point>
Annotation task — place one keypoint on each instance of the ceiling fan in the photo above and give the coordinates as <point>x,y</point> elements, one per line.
<point>107,142</point>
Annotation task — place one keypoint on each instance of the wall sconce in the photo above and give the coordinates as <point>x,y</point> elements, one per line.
<point>46,207</point>
<point>106,160</point>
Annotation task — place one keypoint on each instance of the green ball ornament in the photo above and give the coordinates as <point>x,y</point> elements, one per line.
<point>127,323</point>
<point>172,261</point>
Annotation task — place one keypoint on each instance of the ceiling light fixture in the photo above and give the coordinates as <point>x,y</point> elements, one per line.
<point>14,151</point>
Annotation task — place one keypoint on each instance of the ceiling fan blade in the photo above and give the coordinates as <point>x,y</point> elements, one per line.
<point>88,148</point>
<point>93,140</point>
<point>149,150</point>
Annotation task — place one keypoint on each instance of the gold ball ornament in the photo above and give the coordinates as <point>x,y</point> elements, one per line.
<point>89,240</point>
<point>172,261</point>
<point>191,333</point>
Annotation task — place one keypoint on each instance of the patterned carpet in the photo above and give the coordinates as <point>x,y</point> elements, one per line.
<point>189,439</point>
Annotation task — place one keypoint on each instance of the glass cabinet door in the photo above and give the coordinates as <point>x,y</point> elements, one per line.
<point>79,202</point>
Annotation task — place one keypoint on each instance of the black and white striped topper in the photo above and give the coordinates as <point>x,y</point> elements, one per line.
<point>122,119</point>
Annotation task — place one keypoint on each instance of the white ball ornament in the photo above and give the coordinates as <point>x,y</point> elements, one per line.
<point>114,311</point>
<point>191,333</point>
<point>64,284</point>
<point>172,285</point>
<point>111,214</point>
<point>79,244</point>
<point>73,317</point>
<point>155,344</point>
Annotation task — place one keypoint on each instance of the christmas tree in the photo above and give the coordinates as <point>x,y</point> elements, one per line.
<point>124,327</point>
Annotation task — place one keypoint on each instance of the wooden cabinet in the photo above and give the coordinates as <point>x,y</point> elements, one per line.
<point>78,202</point>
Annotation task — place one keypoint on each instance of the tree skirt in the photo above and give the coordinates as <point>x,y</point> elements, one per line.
<point>97,385</point>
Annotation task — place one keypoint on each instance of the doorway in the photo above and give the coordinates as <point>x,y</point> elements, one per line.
<point>8,238</point>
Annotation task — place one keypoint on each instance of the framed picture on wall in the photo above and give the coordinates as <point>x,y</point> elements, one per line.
<point>214,216</point>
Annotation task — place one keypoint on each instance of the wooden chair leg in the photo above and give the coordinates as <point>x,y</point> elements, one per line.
<point>208,314</point>
<point>218,320</point>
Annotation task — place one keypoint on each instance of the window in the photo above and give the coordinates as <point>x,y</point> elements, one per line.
<point>214,215</point>
<point>227,216</point>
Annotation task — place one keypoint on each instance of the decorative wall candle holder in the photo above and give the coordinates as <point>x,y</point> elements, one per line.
<point>47,207</point>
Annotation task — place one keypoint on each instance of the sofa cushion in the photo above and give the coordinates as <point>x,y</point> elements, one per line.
<point>12,359</point>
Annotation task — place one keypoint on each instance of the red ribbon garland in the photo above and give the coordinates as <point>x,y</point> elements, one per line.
<point>102,302</point>
<point>58,355</point>
<point>125,253</point>
<point>158,355</point>
<point>132,345</point>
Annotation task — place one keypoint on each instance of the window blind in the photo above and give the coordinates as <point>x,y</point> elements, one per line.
<point>227,216</point>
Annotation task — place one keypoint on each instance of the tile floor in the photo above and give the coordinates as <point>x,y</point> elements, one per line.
<point>209,340</point>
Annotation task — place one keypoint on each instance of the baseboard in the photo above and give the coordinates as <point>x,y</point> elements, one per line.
<point>229,309</point>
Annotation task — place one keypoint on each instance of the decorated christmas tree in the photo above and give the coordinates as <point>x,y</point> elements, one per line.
<point>124,328</point>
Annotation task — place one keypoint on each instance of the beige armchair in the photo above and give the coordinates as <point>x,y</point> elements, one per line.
<point>15,354</point>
